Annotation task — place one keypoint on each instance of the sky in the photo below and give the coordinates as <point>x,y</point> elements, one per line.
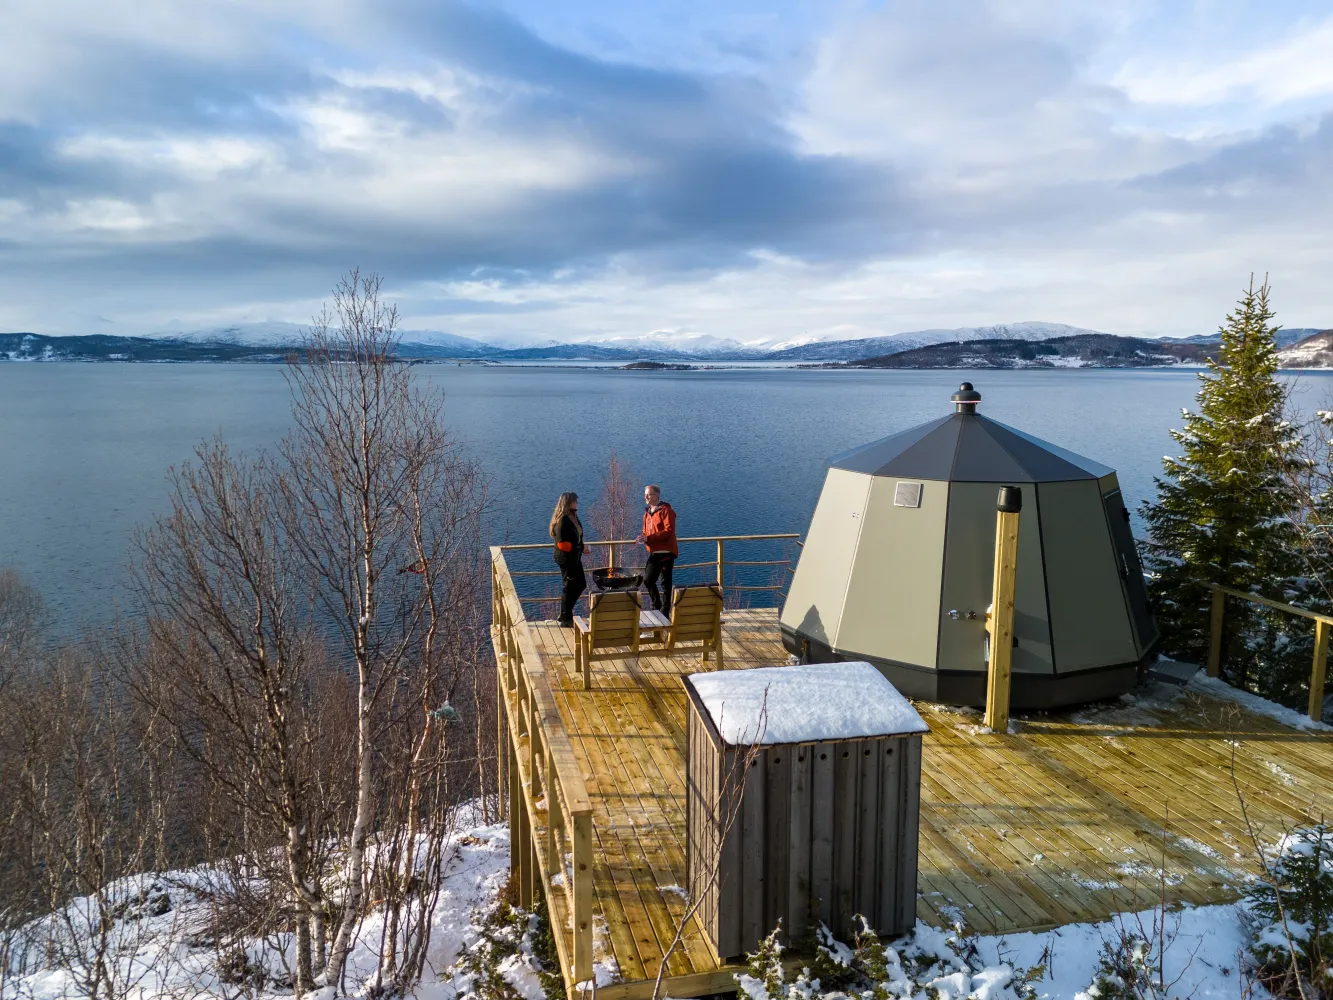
<point>759,170</point>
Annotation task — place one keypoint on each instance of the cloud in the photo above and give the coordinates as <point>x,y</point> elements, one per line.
<point>1298,66</point>
<point>915,164</point>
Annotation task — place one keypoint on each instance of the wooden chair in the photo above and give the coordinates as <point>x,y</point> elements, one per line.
<point>696,617</point>
<point>612,622</point>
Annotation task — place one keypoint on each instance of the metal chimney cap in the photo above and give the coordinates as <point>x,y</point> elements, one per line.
<point>965,400</point>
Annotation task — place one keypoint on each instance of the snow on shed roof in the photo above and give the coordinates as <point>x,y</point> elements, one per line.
<point>811,703</point>
<point>967,447</point>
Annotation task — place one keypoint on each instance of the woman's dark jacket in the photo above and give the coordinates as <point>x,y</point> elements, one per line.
<point>569,542</point>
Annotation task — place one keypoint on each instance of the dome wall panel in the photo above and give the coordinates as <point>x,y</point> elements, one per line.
<point>894,595</point>
<point>1089,620</point>
<point>969,565</point>
<point>815,599</point>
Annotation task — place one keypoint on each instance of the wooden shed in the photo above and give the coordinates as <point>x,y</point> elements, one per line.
<point>804,787</point>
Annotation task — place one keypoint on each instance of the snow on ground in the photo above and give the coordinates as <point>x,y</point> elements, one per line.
<point>159,935</point>
<point>160,917</point>
<point>1204,953</point>
<point>1220,689</point>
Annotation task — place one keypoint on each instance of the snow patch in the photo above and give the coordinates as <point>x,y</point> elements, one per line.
<point>1220,689</point>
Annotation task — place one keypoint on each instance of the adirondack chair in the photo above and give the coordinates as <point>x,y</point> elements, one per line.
<point>696,621</point>
<point>612,623</point>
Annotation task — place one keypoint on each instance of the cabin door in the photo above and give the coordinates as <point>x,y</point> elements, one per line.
<point>1131,570</point>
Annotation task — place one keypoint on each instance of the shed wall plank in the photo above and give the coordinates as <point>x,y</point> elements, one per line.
<point>890,873</point>
<point>730,865</point>
<point>821,826</point>
<point>798,878</point>
<point>846,775</point>
<point>909,780</point>
<point>753,851</point>
<point>777,836</point>
<point>868,827</point>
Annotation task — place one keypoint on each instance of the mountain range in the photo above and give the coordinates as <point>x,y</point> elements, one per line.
<point>271,342</point>
<point>1085,350</point>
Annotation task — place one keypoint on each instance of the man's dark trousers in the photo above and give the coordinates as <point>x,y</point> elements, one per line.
<point>660,564</point>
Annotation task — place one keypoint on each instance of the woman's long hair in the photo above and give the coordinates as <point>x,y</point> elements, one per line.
<point>561,511</point>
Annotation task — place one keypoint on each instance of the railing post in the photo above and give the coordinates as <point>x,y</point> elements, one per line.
<point>501,742</point>
<point>534,751</point>
<point>582,850</point>
<point>1320,668</point>
<point>1215,631</point>
<point>520,854</point>
<point>720,563</point>
<point>554,861</point>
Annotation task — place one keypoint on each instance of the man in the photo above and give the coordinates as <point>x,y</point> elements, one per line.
<point>659,538</point>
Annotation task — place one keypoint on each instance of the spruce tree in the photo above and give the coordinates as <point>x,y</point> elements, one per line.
<point>1223,507</point>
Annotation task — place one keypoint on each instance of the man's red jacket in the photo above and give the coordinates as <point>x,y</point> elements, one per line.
<point>659,529</point>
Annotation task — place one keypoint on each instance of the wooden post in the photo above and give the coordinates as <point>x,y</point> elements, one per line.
<point>534,752</point>
<point>1320,668</point>
<point>521,850</point>
<point>517,810</point>
<point>555,861</point>
<point>582,851</point>
<point>720,564</point>
<point>1000,624</point>
<point>501,741</point>
<point>1215,631</point>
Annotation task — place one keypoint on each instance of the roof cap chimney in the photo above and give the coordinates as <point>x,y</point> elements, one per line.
<point>965,400</point>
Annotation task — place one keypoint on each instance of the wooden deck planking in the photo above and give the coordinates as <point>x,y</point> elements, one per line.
<point>1060,821</point>
<point>605,722</point>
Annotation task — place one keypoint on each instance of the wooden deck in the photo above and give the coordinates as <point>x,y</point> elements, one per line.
<point>1070,817</point>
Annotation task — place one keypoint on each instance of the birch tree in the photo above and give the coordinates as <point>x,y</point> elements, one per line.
<point>382,511</point>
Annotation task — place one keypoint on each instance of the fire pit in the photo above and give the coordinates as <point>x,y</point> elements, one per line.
<point>613,578</point>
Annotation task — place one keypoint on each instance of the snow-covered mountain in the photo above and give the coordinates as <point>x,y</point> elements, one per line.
<point>280,334</point>
<point>700,345</point>
<point>272,334</point>
<point>1315,351</point>
<point>849,350</point>
<point>242,341</point>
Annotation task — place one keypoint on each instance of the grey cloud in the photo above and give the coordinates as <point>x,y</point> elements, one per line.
<point>719,172</point>
<point>135,86</point>
<point>718,167</point>
<point>1276,160</point>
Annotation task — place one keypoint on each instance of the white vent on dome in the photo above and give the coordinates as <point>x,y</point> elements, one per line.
<point>907,495</point>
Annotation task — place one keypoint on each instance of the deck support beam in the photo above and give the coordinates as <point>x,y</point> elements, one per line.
<point>1000,622</point>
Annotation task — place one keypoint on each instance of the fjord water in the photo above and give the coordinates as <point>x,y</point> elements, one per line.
<point>86,449</point>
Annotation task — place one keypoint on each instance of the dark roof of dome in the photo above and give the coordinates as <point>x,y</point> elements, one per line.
<point>967,447</point>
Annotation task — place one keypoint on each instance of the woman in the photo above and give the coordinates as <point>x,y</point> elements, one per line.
<point>567,532</point>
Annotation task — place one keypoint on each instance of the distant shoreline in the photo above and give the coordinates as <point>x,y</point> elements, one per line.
<point>613,366</point>
<point>999,348</point>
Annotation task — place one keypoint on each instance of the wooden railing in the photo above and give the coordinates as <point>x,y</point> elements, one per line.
<point>1321,626</point>
<point>550,815</point>
<point>720,563</point>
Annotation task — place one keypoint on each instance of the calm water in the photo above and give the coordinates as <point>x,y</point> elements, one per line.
<point>85,449</point>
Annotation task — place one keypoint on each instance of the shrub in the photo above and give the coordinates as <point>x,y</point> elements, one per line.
<point>928,962</point>
<point>507,937</point>
<point>1291,916</point>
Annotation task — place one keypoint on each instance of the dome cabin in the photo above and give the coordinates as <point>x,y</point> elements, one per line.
<point>897,566</point>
